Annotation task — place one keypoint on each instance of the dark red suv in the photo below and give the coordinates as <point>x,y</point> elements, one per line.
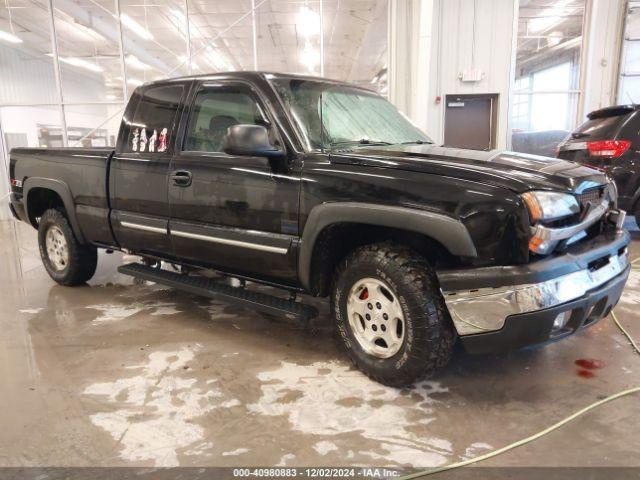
<point>610,141</point>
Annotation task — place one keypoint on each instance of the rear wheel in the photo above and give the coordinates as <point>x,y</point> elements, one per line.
<point>66,261</point>
<point>390,314</point>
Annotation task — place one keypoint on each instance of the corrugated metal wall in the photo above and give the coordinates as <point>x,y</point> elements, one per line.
<point>25,79</point>
<point>475,34</point>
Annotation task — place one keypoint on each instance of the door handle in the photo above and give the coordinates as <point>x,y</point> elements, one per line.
<point>181,178</point>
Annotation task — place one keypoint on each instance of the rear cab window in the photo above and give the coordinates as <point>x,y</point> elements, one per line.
<point>151,130</point>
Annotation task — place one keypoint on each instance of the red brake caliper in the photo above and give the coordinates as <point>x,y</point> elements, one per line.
<point>364,294</point>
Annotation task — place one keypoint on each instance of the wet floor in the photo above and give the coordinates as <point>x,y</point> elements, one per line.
<point>123,374</point>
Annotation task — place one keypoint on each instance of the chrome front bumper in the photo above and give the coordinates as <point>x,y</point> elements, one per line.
<point>482,310</point>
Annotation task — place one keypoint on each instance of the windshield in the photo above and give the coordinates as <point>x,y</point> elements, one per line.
<point>332,115</point>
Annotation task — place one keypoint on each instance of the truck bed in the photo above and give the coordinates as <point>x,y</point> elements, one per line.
<point>84,170</point>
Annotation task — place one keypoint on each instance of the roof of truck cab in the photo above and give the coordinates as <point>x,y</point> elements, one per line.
<point>247,75</point>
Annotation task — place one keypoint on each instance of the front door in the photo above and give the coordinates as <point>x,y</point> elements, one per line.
<point>140,169</point>
<point>235,213</point>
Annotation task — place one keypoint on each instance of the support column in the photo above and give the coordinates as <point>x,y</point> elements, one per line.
<point>4,178</point>
<point>123,66</point>
<point>410,30</point>
<point>603,37</point>
<point>400,54</point>
<point>58,74</point>
<point>254,34</point>
<point>321,38</point>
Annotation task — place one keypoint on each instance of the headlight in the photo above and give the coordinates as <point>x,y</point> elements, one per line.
<point>549,206</point>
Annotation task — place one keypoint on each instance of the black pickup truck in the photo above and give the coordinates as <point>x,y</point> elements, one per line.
<point>324,188</point>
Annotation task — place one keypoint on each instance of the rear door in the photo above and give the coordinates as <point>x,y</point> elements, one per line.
<point>140,169</point>
<point>234,213</point>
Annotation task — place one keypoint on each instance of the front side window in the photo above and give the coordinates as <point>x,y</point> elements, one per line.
<point>153,121</point>
<point>331,115</point>
<point>214,110</point>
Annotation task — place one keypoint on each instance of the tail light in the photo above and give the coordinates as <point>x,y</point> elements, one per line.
<point>608,148</point>
<point>16,183</point>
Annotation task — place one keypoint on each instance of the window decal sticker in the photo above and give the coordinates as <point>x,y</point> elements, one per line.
<point>162,143</point>
<point>135,139</point>
<point>143,140</point>
<point>152,141</point>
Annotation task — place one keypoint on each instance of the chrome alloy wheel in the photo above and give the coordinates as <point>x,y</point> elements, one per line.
<point>376,318</point>
<point>57,248</point>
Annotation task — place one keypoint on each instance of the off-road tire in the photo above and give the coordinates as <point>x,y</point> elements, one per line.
<point>82,259</point>
<point>429,336</point>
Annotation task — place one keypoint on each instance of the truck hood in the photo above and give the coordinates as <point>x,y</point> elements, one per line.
<point>518,172</point>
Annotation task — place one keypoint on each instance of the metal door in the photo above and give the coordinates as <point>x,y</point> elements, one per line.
<point>470,121</point>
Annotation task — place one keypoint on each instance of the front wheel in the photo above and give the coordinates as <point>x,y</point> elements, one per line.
<point>390,314</point>
<point>66,261</point>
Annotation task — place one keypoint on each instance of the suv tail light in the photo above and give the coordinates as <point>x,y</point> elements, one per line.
<point>608,148</point>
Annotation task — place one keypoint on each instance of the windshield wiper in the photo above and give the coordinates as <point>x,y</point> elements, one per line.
<point>362,141</point>
<point>417,142</point>
<point>576,135</point>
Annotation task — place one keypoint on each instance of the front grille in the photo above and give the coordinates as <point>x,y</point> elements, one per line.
<point>593,195</point>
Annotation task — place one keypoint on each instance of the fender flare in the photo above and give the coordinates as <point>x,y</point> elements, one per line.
<point>63,191</point>
<point>449,231</point>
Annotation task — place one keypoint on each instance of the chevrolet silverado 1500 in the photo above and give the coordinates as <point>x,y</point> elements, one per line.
<point>324,188</point>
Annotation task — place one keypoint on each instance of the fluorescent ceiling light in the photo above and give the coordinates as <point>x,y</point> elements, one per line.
<point>9,37</point>
<point>308,21</point>
<point>78,62</point>
<point>135,27</point>
<point>134,62</point>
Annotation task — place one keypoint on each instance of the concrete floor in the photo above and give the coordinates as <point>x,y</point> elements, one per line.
<point>124,374</point>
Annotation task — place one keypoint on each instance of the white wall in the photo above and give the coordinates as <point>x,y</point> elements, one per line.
<point>437,42</point>
<point>25,78</point>
<point>29,78</point>
<point>455,47</point>
<point>404,54</point>
<point>434,41</point>
<point>25,120</point>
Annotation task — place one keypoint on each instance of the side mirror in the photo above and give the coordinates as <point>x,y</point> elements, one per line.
<point>250,141</point>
